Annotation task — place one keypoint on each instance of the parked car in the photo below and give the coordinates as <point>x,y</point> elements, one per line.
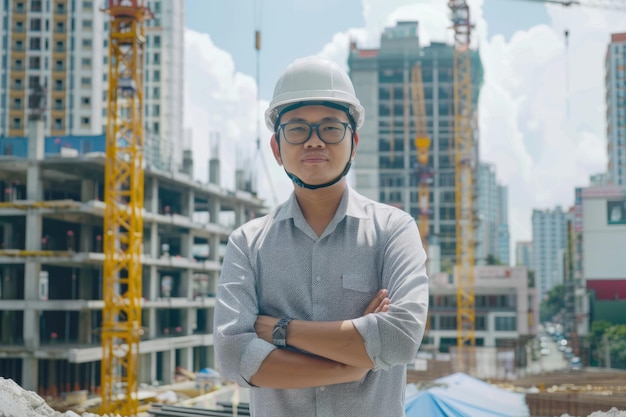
<point>575,364</point>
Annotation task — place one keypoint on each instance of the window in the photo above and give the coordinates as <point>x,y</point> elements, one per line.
<point>58,124</point>
<point>87,23</point>
<point>33,81</point>
<point>17,123</point>
<point>156,110</point>
<point>34,62</point>
<point>85,101</point>
<point>156,58</point>
<point>60,27</point>
<point>84,121</point>
<point>156,92</point>
<point>35,24</point>
<point>155,127</point>
<point>157,40</point>
<point>85,82</point>
<point>86,43</point>
<point>88,5</point>
<point>17,103</point>
<point>504,324</point>
<point>157,75</point>
<point>18,64</point>
<point>58,104</point>
<point>58,65</point>
<point>58,85</point>
<point>85,62</point>
<point>35,44</point>
<point>35,5</point>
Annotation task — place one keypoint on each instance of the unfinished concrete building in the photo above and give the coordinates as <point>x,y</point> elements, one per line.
<point>51,223</point>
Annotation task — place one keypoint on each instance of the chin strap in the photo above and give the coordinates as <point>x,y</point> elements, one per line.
<point>303,184</point>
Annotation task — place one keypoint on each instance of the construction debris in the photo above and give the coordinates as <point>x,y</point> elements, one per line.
<point>17,402</point>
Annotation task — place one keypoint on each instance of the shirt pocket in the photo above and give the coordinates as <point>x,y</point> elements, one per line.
<point>358,282</point>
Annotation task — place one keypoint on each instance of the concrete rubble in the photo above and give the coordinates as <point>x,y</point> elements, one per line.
<point>17,402</point>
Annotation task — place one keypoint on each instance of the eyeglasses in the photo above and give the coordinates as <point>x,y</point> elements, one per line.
<point>297,133</point>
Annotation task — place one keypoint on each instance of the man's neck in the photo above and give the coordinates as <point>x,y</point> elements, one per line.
<point>319,206</point>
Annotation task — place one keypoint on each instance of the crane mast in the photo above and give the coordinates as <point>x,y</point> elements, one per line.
<point>464,185</point>
<point>123,217</point>
<point>422,143</point>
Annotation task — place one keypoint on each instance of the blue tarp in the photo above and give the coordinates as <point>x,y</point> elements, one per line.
<point>460,395</point>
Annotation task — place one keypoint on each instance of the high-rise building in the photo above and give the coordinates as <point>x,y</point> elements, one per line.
<point>386,169</point>
<point>51,66</point>
<point>548,244</point>
<point>163,83</point>
<point>524,253</point>
<point>503,247</point>
<point>615,62</point>
<point>492,231</point>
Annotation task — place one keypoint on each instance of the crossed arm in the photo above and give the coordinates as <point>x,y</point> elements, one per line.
<point>336,352</point>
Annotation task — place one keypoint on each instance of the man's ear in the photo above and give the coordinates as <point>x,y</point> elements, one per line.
<point>355,146</point>
<point>276,149</point>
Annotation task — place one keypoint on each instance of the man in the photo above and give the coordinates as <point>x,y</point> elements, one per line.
<point>323,302</point>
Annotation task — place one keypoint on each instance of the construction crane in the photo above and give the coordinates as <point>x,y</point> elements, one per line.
<point>600,4</point>
<point>422,143</point>
<point>464,185</point>
<point>123,217</point>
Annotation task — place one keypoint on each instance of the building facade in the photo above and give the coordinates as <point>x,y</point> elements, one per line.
<point>387,167</point>
<point>163,84</point>
<point>492,232</point>
<point>603,243</point>
<point>51,264</point>
<point>549,233</point>
<point>615,64</point>
<point>51,65</point>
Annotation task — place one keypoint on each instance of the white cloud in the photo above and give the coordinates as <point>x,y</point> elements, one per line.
<point>545,136</point>
<point>219,100</point>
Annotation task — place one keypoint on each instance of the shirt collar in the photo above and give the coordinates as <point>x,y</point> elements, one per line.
<point>351,205</point>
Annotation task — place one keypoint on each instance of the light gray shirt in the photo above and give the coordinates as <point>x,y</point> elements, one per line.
<point>276,265</point>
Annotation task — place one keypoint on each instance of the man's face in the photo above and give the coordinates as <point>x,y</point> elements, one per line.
<point>314,161</point>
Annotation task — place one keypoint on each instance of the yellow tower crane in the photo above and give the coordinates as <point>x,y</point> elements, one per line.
<point>464,184</point>
<point>422,143</point>
<point>123,216</point>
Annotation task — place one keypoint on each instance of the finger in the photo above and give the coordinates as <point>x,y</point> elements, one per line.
<point>378,298</point>
<point>383,306</point>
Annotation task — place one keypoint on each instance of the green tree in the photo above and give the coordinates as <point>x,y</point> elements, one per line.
<point>604,334</point>
<point>553,304</point>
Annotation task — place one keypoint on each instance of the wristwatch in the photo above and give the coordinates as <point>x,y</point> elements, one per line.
<point>279,334</point>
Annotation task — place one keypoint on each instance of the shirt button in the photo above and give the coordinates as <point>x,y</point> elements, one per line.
<point>318,279</point>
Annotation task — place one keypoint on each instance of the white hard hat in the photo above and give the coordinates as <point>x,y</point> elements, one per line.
<point>310,80</point>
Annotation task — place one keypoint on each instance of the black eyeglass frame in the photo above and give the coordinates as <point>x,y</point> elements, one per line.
<point>316,127</point>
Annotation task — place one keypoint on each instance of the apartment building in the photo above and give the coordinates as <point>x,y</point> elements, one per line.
<point>51,262</point>
<point>492,231</point>
<point>387,169</point>
<point>549,229</point>
<point>51,65</point>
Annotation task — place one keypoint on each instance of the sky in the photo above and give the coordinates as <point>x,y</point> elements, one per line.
<point>541,107</point>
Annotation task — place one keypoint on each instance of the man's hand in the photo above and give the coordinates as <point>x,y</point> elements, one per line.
<point>379,304</point>
<point>264,325</point>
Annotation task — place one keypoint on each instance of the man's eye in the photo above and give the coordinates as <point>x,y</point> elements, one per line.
<point>296,129</point>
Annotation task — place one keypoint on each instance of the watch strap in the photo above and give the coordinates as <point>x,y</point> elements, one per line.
<point>279,334</point>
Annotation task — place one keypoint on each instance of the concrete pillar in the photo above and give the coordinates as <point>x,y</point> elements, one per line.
<point>187,162</point>
<point>8,236</point>
<point>186,359</point>
<point>187,204</point>
<point>214,210</point>
<point>186,246</point>
<point>35,155</point>
<point>154,241</point>
<point>151,195</point>
<point>30,373</point>
<point>214,171</point>
<point>186,287</point>
<point>85,292</point>
<point>147,368</point>
<point>86,237</point>
<point>169,366</point>
<point>240,215</point>
<point>87,190</point>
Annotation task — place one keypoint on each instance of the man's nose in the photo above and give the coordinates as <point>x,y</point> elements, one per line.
<point>314,140</point>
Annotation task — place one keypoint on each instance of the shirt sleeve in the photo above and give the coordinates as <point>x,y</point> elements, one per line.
<point>393,338</point>
<point>238,351</point>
